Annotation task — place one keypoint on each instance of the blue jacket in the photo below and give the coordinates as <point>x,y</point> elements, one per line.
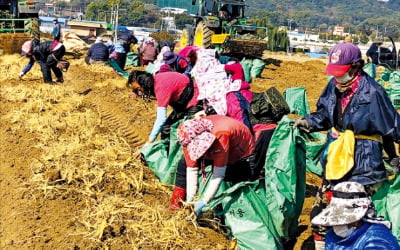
<point>99,52</point>
<point>175,65</point>
<point>368,236</point>
<point>56,31</point>
<point>370,112</point>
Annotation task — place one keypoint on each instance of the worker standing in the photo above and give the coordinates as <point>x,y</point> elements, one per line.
<point>56,30</point>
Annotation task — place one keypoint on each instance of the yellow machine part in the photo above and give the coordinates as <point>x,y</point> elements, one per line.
<point>219,38</point>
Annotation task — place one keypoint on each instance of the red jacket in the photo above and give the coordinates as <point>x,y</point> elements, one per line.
<point>233,142</point>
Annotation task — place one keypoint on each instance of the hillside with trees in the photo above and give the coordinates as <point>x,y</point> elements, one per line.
<point>363,17</point>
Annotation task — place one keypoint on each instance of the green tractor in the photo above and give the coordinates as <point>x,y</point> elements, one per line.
<point>20,16</point>
<point>222,24</point>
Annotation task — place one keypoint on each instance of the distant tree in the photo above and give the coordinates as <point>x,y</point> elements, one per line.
<point>277,40</point>
<point>96,8</point>
<point>363,38</point>
<point>182,19</point>
<point>135,13</point>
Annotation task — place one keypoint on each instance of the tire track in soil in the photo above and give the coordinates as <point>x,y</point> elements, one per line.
<point>115,120</point>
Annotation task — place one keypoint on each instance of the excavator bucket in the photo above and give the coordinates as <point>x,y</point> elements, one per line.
<point>250,47</point>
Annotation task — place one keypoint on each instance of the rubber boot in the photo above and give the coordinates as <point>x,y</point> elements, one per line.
<point>60,80</point>
<point>178,195</point>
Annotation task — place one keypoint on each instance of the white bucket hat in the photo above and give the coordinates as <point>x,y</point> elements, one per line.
<point>349,204</point>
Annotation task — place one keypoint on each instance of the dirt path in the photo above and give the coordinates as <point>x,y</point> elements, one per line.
<point>69,177</point>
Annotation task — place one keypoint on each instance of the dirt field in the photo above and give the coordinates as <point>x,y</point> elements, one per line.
<point>69,175</point>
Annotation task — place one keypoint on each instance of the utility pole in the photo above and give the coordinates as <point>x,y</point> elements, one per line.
<point>114,22</point>
<point>289,24</point>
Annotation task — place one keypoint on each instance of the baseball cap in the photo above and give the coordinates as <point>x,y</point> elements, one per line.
<point>341,57</point>
<point>350,203</point>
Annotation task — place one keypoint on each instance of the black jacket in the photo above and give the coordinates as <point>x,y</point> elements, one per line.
<point>46,49</point>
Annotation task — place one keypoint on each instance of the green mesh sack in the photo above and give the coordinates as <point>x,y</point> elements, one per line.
<point>151,68</point>
<point>247,64</point>
<point>385,75</point>
<point>296,98</point>
<point>395,77</point>
<point>393,91</point>
<point>257,68</point>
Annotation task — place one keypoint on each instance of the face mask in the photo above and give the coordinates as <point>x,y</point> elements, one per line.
<point>343,231</point>
<point>343,79</point>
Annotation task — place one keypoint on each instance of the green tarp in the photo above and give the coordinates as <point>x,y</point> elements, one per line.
<point>285,180</point>
<point>387,203</point>
<point>296,98</point>
<point>370,69</point>
<point>162,163</point>
<point>315,145</point>
<point>247,217</point>
<point>132,59</point>
<point>118,69</point>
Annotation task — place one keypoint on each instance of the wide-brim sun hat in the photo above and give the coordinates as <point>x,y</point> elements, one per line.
<point>349,204</point>
<point>169,57</point>
<point>196,136</point>
<point>341,57</point>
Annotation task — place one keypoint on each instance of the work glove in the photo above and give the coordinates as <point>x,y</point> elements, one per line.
<point>198,206</point>
<point>301,124</point>
<point>394,163</point>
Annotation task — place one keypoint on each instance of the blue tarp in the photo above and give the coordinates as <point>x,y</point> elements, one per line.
<point>49,19</point>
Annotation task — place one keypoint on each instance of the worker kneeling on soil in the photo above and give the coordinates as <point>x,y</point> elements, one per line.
<point>351,216</point>
<point>49,54</point>
<point>226,142</point>
<point>98,53</point>
<point>170,89</point>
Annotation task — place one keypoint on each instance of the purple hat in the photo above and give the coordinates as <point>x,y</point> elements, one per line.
<point>341,57</point>
<point>169,57</point>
